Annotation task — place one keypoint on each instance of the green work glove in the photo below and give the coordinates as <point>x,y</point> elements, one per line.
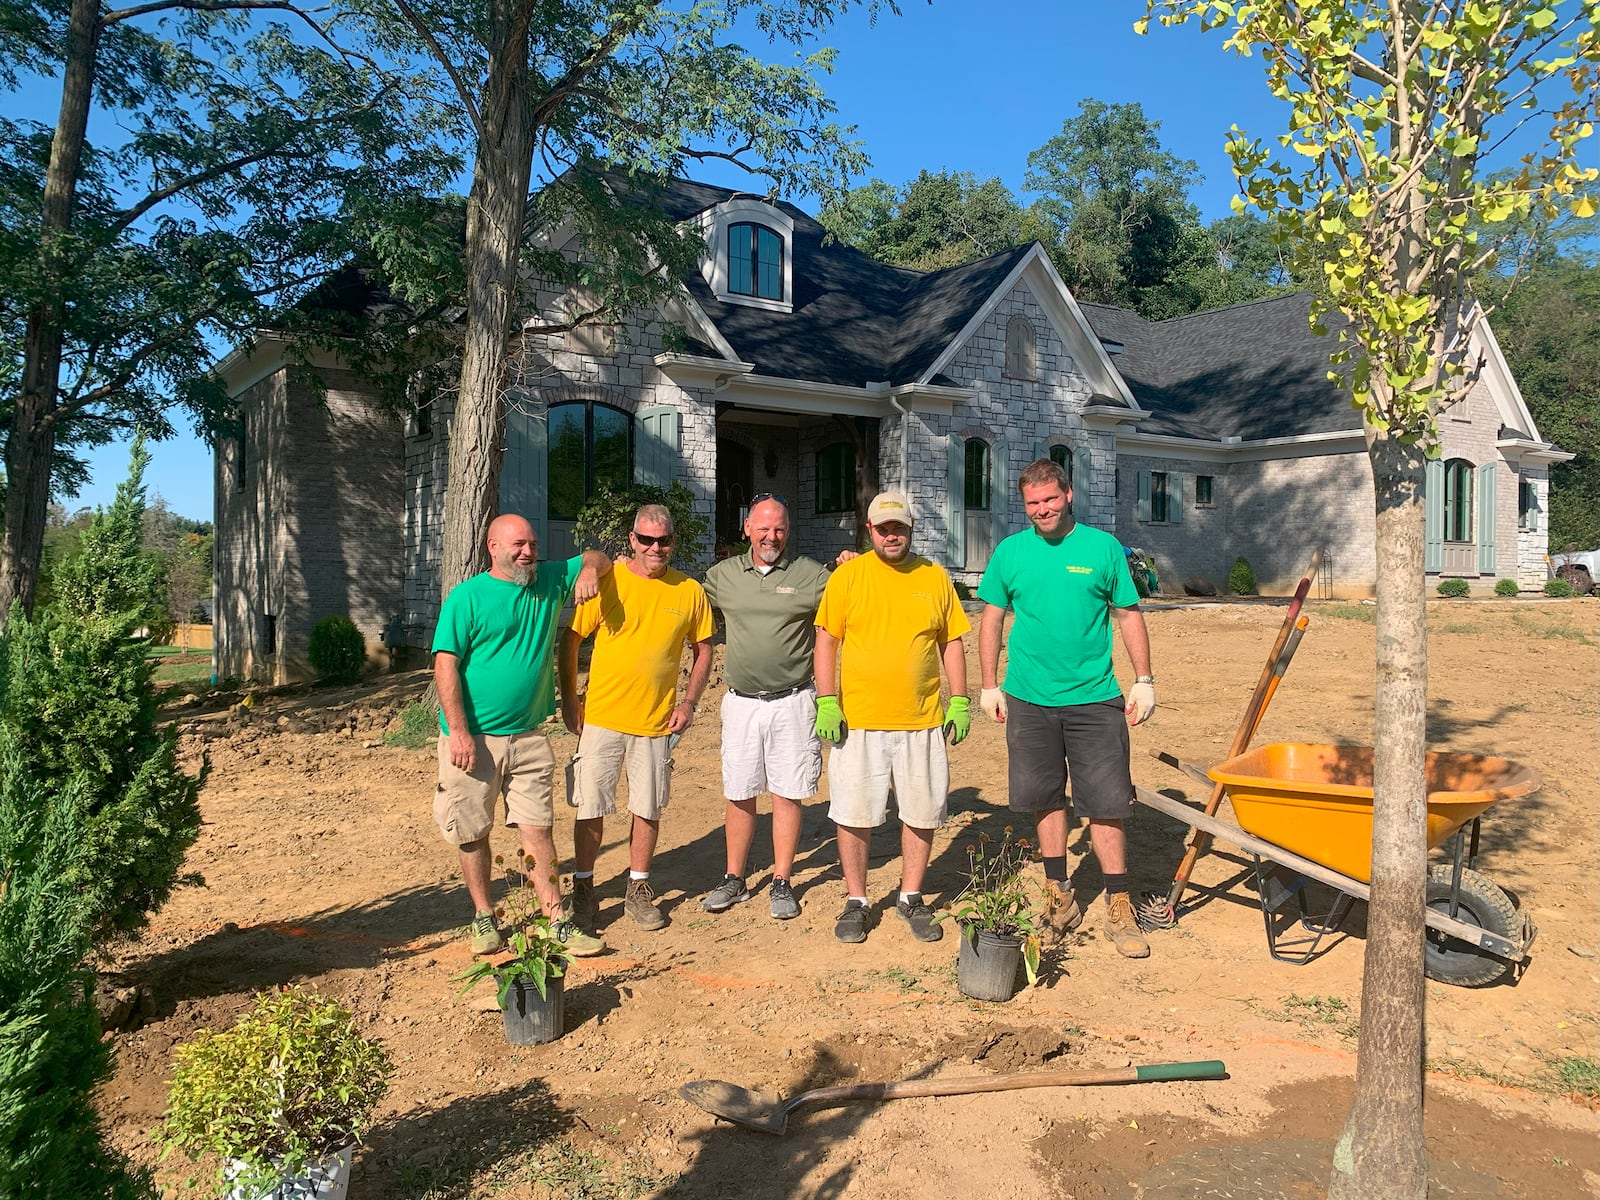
<point>958,719</point>
<point>830,719</point>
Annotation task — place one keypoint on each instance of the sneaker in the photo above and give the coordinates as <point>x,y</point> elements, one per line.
<point>915,912</point>
<point>640,906</point>
<point>853,922</point>
<point>784,906</point>
<point>486,937</point>
<point>578,943</point>
<point>1061,913</point>
<point>725,895</point>
<point>1122,927</point>
<point>584,911</point>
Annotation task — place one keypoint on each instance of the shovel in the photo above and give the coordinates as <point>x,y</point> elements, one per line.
<point>770,1114</point>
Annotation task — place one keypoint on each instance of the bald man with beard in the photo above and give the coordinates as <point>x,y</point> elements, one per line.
<point>493,667</point>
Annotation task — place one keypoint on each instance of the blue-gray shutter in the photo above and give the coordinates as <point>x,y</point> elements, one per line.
<point>1433,517</point>
<point>655,454</point>
<point>956,502</point>
<point>525,470</point>
<point>1174,497</point>
<point>1082,482</point>
<point>999,491</point>
<point>1486,521</point>
<point>1141,504</point>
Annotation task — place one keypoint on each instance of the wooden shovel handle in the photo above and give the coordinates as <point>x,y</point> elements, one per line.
<point>1004,1083</point>
<point>1247,726</point>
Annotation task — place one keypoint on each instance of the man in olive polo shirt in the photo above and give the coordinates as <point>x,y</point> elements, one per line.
<point>769,742</point>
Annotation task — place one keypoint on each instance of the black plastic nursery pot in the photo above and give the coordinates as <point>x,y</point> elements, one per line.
<point>988,964</point>
<point>531,1020</point>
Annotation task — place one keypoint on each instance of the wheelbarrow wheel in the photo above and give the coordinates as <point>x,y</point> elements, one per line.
<point>1450,960</point>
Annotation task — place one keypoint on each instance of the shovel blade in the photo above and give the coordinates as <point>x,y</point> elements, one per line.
<point>753,1110</point>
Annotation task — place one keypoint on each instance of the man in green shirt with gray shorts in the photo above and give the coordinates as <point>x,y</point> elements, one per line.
<point>769,743</point>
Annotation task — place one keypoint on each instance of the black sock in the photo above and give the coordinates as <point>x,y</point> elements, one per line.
<point>1116,883</point>
<point>1055,868</point>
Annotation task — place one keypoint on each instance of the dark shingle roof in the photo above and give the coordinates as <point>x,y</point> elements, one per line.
<point>1252,371</point>
<point>855,320</point>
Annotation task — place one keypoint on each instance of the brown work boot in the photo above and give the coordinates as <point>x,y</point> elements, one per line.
<point>640,906</point>
<point>1122,927</point>
<point>585,913</point>
<point>1061,913</point>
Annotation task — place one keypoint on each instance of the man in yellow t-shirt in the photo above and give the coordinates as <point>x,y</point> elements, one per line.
<point>631,716</point>
<point>887,620</point>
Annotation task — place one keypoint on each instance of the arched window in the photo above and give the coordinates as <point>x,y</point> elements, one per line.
<point>836,478</point>
<point>979,475</point>
<point>590,444</point>
<point>1061,455</point>
<point>1022,350</point>
<point>755,261</point>
<point>1458,475</point>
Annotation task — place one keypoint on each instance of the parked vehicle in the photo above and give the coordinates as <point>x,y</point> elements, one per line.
<point>1580,568</point>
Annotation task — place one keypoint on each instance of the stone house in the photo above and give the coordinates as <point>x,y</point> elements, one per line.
<point>789,364</point>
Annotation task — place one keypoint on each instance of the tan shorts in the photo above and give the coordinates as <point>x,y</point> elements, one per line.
<point>519,767</point>
<point>598,765</point>
<point>870,762</point>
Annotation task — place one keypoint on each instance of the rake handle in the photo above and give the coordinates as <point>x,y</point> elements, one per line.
<point>908,1088</point>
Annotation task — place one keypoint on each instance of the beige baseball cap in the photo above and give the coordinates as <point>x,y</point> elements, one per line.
<point>890,506</point>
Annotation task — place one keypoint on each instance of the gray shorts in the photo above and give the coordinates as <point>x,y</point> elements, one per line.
<point>1090,739</point>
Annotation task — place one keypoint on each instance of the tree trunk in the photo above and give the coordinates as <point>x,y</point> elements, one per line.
<point>496,208</point>
<point>1381,1154</point>
<point>31,441</point>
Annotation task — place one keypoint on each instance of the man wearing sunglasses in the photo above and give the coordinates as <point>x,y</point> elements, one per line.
<point>887,621</point>
<point>644,615</point>
<point>491,664</point>
<point>768,599</point>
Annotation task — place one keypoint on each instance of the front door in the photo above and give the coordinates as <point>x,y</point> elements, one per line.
<point>736,476</point>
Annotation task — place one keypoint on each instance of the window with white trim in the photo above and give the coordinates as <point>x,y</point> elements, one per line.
<point>755,261</point>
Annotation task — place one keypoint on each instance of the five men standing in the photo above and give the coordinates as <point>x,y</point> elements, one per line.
<point>804,650</point>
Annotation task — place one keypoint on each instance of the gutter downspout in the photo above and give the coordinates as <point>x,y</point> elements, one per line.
<point>905,431</point>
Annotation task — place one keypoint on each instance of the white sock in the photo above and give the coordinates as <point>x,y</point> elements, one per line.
<point>583,874</point>
<point>861,900</point>
<point>634,875</point>
<point>905,896</point>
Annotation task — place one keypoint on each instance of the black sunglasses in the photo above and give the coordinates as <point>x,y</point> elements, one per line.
<point>755,500</point>
<point>647,541</point>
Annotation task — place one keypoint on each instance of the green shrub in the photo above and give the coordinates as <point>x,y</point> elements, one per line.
<point>1506,587</point>
<point>1559,588</point>
<point>1455,589</point>
<point>337,650</point>
<point>607,519</point>
<point>418,727</point>
<point>291,1082</point>
<point>1241,579</point>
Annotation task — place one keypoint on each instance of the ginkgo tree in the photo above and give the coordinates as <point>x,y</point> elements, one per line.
<point>1379,185</point>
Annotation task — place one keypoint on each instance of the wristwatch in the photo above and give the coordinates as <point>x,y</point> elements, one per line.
<point>1145,679</point>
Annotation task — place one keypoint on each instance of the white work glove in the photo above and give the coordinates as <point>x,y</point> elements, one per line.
<point>1141,703</point>
<point>993,702</point>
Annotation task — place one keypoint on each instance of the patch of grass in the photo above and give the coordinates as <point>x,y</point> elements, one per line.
<point>904,979</point>
<point>1311,1011</point>
<point>1350,612</point>
<point>1550,626</point>
<point>1462,1069</point>
<point>419,727</point>
<point>163,651</point>
<point>177,673</point>
<point>1580,1075</point>
<point>573,1174</point>
<point>1459,627</point>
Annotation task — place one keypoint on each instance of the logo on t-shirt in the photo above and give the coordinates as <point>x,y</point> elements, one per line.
<point>786,591</point>
<point>1080,570</point>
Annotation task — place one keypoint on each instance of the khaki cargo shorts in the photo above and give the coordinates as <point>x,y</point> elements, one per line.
<point>518,766</point>
<point>598,766</point>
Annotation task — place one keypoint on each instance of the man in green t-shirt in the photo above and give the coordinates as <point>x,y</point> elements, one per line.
<point>1066,583</point>
<point>493,668</point>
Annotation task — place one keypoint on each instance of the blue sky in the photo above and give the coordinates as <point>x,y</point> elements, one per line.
<point>961,85</point>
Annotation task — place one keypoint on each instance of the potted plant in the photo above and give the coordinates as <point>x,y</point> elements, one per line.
<point>281,1098</point>
<point>997,914</point>
<point>529,980</point>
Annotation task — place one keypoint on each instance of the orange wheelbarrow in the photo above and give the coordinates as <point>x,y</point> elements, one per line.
<point>1307,810</point>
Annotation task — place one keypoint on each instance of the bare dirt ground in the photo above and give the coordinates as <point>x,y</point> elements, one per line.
<point>322,866</point>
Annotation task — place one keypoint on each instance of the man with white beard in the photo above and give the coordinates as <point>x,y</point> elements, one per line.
<point>769,599</point>
<point>492,665</point>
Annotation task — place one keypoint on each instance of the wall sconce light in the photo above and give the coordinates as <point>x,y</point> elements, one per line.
<point>771,461</point>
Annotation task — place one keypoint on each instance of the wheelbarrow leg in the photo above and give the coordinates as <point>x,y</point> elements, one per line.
<point>1275,894</point>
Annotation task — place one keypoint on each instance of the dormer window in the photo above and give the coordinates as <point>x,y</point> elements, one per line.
<point>755,262</point>
<point>750,253</point>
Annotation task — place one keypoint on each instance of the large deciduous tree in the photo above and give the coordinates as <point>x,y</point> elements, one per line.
<point>1392,106</point>
<point>209,162</point>
<point>608,97</point>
